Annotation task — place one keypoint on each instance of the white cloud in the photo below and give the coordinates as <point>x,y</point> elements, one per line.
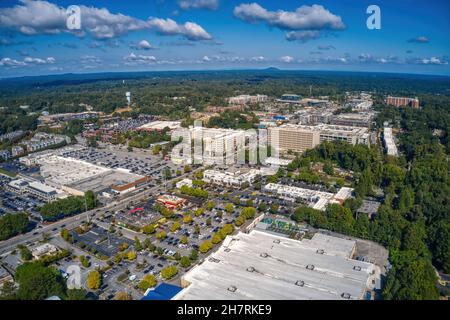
<point>258,59</point>
<point>302,35</point>
<point>199,4</point>
<point>27,61</point>
<point>88,59</point>
<point>189,30</point>
<point>420,39</point>
<point>133,59</point>
<point>287,59</point>
<point>433,60</point>
<point>142,45</point>
<point>314,17</point>
<point>42,17</point>
<point>206,58</point>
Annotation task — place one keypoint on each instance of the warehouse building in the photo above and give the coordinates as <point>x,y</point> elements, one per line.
<point>265,266</point>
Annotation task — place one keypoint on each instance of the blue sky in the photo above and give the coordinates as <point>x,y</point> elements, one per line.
<point>223,34</point>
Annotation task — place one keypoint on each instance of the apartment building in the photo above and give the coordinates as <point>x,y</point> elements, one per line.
<point>403,101</point>
<point>294,137</point>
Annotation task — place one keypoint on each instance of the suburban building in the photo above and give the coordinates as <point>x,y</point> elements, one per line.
<point>315,199</point>
<point>263,266</point>
<point>160,125</point>
<point>231,178</point>
<point>43,250</point>
<point>38,189</point>
<point>171,201</point>
<point>389,143</point>
<point>5,154</point>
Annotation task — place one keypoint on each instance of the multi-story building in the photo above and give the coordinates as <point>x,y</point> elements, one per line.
<point>42,140</point>
<point>299,138</point>
<point>353,119</point>
<point>403,101</point>
<point>290,98</point>
<point>389,143</point>
<point>352,135</point>
<point>245,99</point>
<point>294,137</point>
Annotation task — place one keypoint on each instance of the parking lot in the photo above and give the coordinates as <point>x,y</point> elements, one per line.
<point>137,162</point>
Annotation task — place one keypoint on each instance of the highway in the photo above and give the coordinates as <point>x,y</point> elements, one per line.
<point>9,245</point>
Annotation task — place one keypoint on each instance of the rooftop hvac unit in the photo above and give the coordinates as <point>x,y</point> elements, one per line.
<point>276,241</point>
<point>227,250</point>
<point>357,268</point>
<point>232,289</point>
<point>320,251</point>
<point>345,295</point>
<point>310,267</point>
<point>264,255</point>
<point>300,283</point>
<point>251,269</point>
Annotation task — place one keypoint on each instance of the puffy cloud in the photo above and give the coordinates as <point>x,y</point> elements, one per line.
<point>420,39</point>
<point>8,62</point>
<point>142,45</point>
<point>287,59</point>
<point>27,61</point>
<point>133,59</point>
<point>206,58</point>
<point>42,17</point>
<point>258,59</point>
<point>302,36</point>
<point>433,60</point>
<point>314,17</point>
<point>89,59</point>
<point>199,4</point>
<point>189,30</point>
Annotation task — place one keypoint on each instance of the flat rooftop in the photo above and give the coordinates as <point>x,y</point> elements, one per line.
<point>261,265</point>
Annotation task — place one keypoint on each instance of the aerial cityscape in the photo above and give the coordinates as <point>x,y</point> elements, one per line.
<point>222,150</point>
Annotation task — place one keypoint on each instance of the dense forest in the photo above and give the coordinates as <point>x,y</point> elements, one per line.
<point>413,221</point>
<point>171,94</point>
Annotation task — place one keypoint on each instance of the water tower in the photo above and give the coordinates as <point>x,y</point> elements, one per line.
<point>128,95</point>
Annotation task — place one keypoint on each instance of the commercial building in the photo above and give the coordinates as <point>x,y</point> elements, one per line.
<point>290,98</point>
<point>5,276</point>
<point>389,143</point>
<point>184,182</point>
<point>43,250</point>
<point>299,138</point>
<point>353,119</point>
<point>265,266</point>
<point>231,178</point>
<point>403,102</point>
<point>171,201</point>
<point>62,117</point>
<point>245,99</point>
<point>160,125</point>
<point>352,135</point>
<point>77,176</point>
<point>315,199</point>
<point>38,189</point>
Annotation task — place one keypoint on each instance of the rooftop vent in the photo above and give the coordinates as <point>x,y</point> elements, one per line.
<point>300,283</point>
<point>320,251</point>
<point>213,260</point>
<point>357,268</point>
<point>232,289</point>
<point>346,295</point>
<point>251,269</point>
<point>264,255</point>
<point>276,241</point>
<point>310,267</point>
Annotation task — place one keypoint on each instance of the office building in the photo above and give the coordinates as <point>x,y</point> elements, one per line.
<point>231,178</point>
<point>293,138</point>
